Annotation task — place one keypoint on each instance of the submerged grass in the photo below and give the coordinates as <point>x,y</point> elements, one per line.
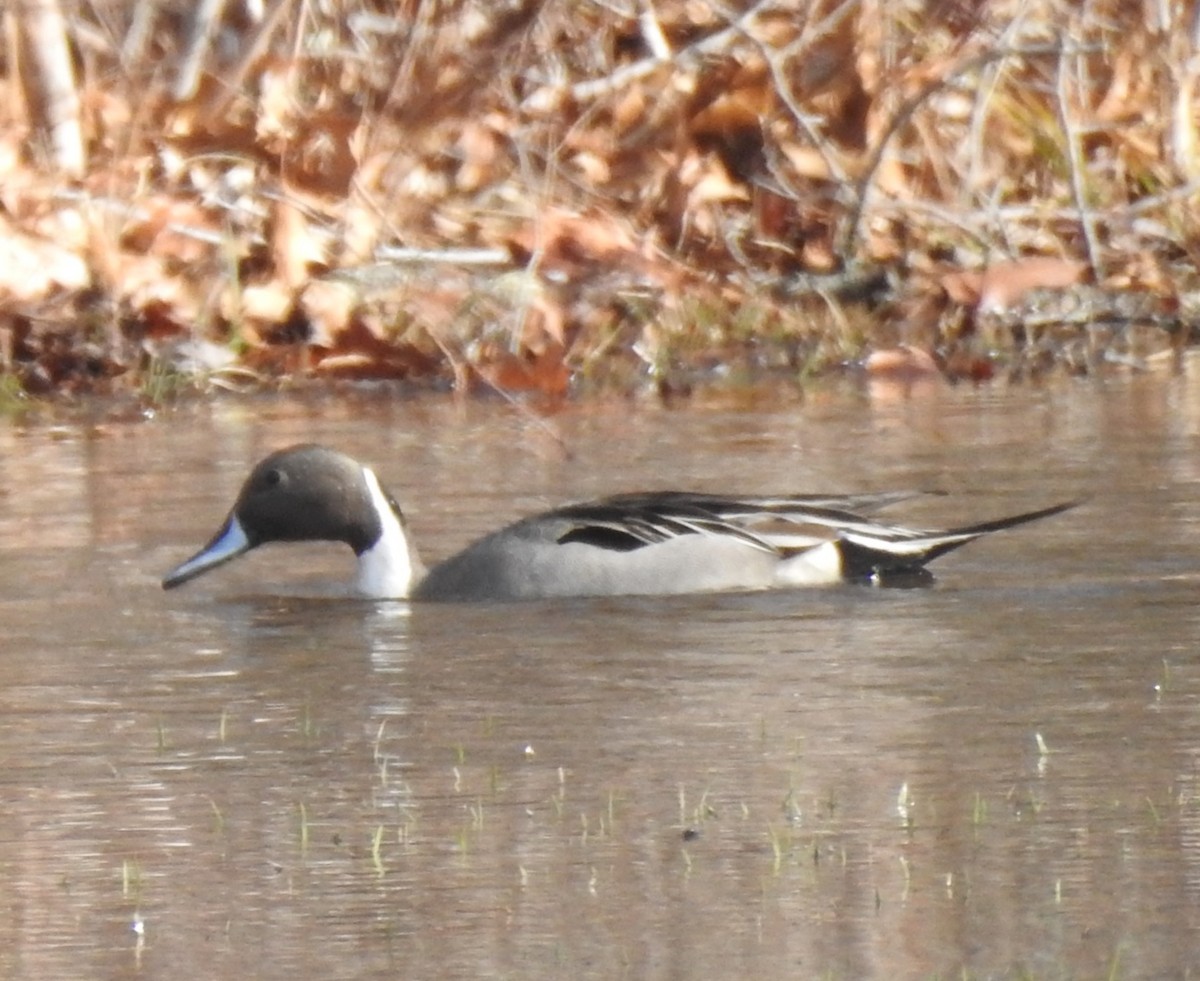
<point>161,383</point>
<point>377,851</point>
<point>302,810</point>
<point>13,400</point>
<point>804,843</point>
<point>131,880</point>
<point>218,817</point>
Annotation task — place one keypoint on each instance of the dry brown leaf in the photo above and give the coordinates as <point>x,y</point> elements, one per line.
<point>479,147</point>
<point>12,166</point>
<point>733,114</point>
<point>817,254</point>
<point>400,363</point>
<point>276,108</point>
<point>687,136</point>
<point>901,362</point>
<point>360,352</point>
<point>966,365</point>
<point>808,162</point>
<point>264,305</point>
<point>593,168</point>
<point>902,374</point>
<point>998,287</point>
<point>715,187</point>
<point>31,268</point>
<point>361,228</point>
<point>630,109</point>
<point>162,318</point>
<point>171,227</point>
<point>329,307</point>
<point>544,374</point>
<point>321,158</point>
<point>295,249</point>
<point>142,282</point>
<point>572,243</point>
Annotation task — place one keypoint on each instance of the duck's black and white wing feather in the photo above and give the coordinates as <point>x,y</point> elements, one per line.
<point>814,537</point>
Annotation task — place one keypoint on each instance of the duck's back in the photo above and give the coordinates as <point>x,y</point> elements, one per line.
<point>548,556</point>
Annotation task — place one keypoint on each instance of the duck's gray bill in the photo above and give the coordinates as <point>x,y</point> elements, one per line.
<point>228,543</point>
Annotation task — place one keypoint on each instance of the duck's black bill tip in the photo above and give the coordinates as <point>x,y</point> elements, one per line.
<point>227,544</point>
<point>172,580</point>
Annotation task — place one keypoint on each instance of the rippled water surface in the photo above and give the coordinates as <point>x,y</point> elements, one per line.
<point>251,777</point>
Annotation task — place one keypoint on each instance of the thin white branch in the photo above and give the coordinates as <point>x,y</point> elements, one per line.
<point>1076,163</point>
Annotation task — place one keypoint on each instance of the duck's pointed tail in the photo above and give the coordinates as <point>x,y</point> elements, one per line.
<point>882,554</point>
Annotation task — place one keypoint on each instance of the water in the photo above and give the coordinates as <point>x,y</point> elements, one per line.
<point>250,777</point>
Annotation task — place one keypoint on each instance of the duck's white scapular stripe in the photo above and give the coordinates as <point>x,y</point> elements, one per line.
<point>917,545</point>
<point>385,570</point>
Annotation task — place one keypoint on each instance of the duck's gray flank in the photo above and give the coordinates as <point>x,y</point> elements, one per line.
<point>630,544</point>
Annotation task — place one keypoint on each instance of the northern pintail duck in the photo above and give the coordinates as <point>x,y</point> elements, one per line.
<point>631,544</point>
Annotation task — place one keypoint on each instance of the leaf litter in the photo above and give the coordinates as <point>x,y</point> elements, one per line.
<point>546,199</point>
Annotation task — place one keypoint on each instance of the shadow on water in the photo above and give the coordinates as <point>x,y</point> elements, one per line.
<point>992,777</point>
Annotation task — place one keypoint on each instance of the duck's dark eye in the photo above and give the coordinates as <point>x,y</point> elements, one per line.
<point>273,478</point>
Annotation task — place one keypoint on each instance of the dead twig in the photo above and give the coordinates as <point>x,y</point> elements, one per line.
<point>776,61</point>
<point>598,87</point>
<point>849,238</point>
<point>1075,164</point>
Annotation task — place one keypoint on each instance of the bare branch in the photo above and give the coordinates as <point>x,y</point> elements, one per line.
<point>49,83</point>
<point>1075,164</point>
<point>205,20</point>
<point>862,189</point>
<point>595,88</point>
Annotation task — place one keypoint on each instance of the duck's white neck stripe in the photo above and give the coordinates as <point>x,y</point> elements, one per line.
<point>385,570</point>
